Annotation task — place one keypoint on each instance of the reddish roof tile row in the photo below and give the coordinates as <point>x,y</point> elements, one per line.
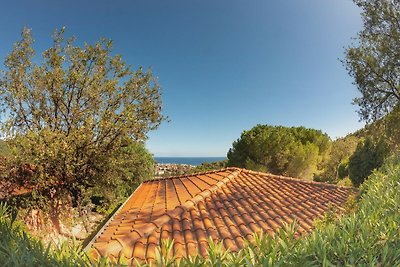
<point>227,205</point>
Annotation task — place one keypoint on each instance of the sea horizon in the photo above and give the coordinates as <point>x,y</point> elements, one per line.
<point>187,160</point>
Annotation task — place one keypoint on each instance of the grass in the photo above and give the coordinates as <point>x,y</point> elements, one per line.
<point>18,248</point>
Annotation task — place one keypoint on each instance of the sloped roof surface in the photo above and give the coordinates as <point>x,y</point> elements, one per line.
<point>227,205</point>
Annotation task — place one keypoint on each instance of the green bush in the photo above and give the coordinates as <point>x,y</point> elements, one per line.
<point>343,169</point>
<point>17,248</point>
<point>368,156</point>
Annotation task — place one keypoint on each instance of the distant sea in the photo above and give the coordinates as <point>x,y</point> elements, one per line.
<point>187,160</point>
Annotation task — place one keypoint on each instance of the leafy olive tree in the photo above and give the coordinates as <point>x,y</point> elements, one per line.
<point>295,151</point>
<point>373,61</point>
<point>79,115</point>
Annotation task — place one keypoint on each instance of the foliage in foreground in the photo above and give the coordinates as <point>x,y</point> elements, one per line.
<point>17,248</point>
<point>368,236</point>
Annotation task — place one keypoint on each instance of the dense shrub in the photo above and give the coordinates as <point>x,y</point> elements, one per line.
<point>20,249</point>
<point>335,166</point>
<point>367,157</point>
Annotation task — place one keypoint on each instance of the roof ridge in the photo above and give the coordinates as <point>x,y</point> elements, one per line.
<point>192,174</point>
<point>178,210</point>
<point>297,179</point>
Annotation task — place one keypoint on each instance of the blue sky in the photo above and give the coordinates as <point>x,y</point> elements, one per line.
<point>224,66</point>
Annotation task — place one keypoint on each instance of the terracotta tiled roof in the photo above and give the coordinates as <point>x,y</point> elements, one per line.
<point>228,205</point>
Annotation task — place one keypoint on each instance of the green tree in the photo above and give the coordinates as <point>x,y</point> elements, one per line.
<point>295,151</point>
<point>373,60</point>
<point>4,149</point>
<point>335,166</point>
<point>80,115</point>
<point>389,127</point>
<point>367,157</point>
<point>209,166</point>
<point>126,169</point>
